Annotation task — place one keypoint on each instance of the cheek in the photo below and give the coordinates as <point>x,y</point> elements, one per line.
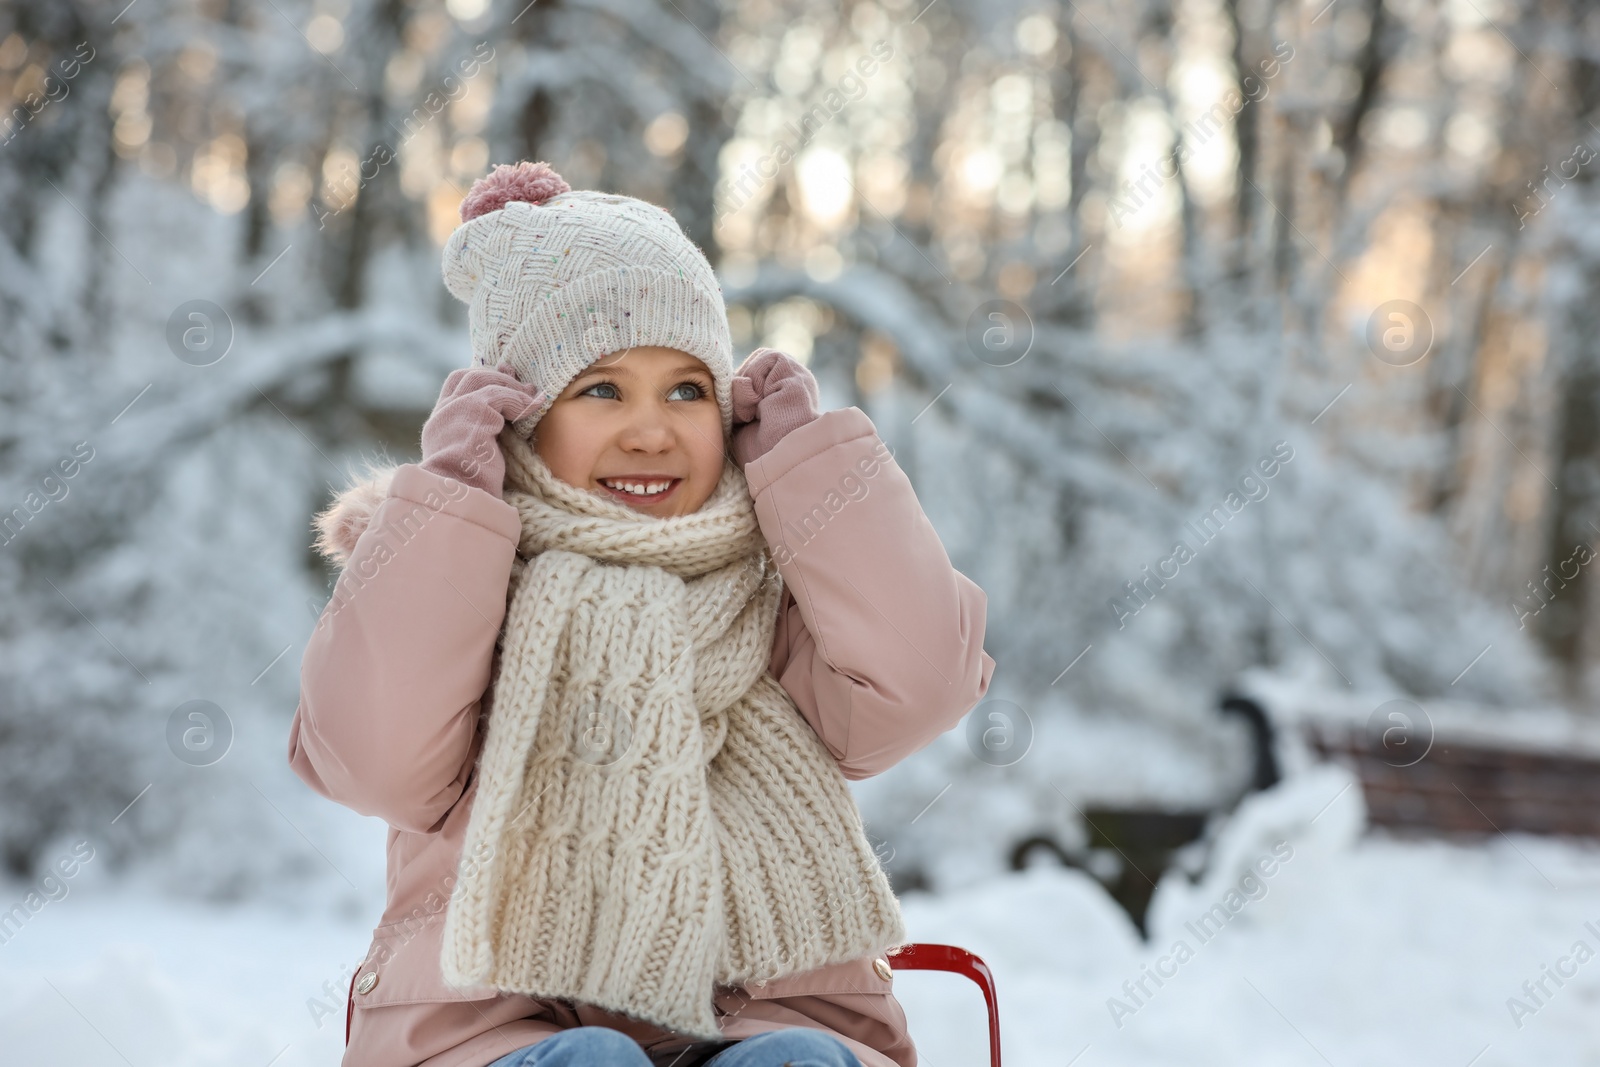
<point>709,456</point>
<point>565,446</point>
<point>706,440</point>
<point>717,450</point>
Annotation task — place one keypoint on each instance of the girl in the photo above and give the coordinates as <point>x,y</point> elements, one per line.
<point>604,661</point>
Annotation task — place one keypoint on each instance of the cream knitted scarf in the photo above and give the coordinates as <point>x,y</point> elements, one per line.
<point>658,816</point>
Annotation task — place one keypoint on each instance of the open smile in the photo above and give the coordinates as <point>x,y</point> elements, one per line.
<point>640,490</point>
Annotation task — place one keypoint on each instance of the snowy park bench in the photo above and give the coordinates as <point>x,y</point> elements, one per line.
<point>1439,768</point>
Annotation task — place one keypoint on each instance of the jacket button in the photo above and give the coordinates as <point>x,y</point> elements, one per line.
<point>365,983</point>
<point>761,981</point>
<point>881,965</point>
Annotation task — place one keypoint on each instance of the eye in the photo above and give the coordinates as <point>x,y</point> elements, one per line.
<point>699,390</point>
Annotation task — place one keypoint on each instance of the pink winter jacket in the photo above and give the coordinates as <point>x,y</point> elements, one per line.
<point>879,642</point>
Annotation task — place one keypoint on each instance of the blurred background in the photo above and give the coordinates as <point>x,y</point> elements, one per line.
<point>1243,351</point>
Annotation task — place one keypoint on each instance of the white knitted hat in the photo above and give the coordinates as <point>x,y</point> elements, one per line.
<point>554,278</point>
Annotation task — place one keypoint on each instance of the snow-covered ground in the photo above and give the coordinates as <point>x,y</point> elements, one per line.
<point>1341,948</point>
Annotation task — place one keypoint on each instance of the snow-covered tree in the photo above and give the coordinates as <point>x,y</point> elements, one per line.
<point>1094,269</point>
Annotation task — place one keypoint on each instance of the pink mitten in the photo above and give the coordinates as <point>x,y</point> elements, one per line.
<point>772,395</point>
<point>458,440</point>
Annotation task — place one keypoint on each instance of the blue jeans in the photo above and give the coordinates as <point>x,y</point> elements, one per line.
<point>601,1046</point>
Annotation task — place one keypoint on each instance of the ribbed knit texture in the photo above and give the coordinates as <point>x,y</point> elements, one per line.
<point>553,286</point>
<point>661,817</point>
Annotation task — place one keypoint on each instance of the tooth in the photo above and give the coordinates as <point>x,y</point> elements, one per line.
<point>640,488</point>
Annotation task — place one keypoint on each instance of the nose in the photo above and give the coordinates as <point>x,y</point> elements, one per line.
<point>649,430</point>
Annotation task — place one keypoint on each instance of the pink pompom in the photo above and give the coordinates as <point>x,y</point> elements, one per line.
<point>533,183</point>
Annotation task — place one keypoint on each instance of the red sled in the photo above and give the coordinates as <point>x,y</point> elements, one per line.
<point>928,957</point>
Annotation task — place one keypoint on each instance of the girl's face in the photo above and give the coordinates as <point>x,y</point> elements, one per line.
<point>642,418</point>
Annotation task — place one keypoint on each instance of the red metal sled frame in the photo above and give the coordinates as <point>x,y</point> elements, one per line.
<point>930,957</point>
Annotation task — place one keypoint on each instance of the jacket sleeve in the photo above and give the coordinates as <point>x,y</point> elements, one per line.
<point>880,639</point>
<point>393,673</point>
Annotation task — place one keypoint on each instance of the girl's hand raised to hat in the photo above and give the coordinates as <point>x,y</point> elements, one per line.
<point>459,438</point>
<point>772,395</point>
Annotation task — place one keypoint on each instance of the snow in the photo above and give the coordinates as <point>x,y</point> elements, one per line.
<point>1542,729</point>
<point>1392,559</point>
<point>1356,949</point>
<point>187,986</point>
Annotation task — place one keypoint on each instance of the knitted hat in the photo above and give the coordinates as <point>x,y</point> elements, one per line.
<point>554,278</point>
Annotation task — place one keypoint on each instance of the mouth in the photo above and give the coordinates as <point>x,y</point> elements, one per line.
<point>645,490</point>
